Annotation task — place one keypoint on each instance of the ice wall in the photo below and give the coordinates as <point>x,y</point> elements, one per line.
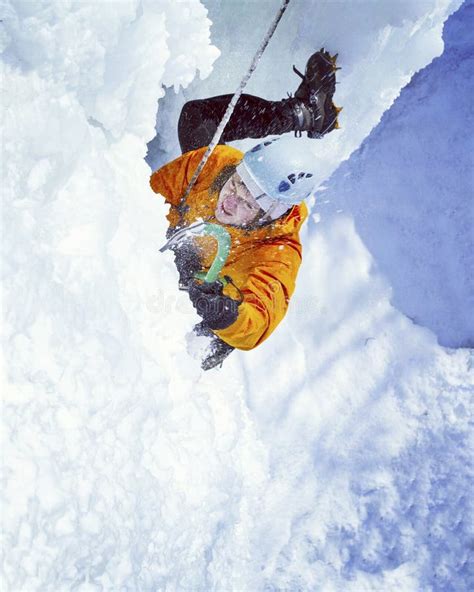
<point>333,457</point>
<point>410,190</point>
<point>380,44</point>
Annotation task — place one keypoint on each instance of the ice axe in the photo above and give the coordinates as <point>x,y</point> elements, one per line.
<point>223,247</point>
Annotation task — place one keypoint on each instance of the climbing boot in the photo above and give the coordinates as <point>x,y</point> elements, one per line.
<point>312,107</point>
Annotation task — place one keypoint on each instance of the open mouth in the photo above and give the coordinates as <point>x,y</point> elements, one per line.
<point>224,209</point>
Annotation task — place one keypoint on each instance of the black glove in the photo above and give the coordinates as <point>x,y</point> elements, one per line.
<point>187,261</point>
<point>217,311</point>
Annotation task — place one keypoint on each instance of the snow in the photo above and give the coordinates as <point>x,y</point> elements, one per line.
<point>335,456</point>
<point>416,219</point>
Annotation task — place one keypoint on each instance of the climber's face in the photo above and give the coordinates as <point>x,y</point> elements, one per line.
<point>236,205</point>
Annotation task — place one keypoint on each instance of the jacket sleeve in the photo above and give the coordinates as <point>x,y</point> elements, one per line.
<point>267,291</point>
<point>172,179</point>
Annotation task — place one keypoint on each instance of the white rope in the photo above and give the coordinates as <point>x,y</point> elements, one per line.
<point>235,98</point>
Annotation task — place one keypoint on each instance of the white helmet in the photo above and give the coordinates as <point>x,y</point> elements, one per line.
<point>278,175</point>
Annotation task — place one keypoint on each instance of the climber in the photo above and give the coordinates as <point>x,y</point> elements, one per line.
<point>258,197</point>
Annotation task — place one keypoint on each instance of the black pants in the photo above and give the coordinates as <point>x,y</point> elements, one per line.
<point>252,117</point>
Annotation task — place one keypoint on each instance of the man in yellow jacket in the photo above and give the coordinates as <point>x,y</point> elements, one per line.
<point>256,196</point>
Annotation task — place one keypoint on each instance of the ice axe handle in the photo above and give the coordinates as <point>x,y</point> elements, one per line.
<point>223,248</point>
<point>219,233</point>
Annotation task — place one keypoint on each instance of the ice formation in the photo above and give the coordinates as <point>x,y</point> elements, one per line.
<point>333,457</point>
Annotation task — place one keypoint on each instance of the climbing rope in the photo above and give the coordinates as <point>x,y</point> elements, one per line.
<point>230,108</point>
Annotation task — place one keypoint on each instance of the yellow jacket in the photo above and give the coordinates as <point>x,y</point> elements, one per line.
<point>263,263</point>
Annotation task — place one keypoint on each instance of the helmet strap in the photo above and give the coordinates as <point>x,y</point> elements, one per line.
<point>267,217</point>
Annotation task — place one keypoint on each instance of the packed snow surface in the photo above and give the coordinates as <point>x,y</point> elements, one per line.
<point>335,456</point>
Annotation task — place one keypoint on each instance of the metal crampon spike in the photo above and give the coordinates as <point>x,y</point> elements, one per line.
<point>296,71</point>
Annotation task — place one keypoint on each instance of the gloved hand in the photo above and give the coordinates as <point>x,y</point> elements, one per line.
<point>187,261</point>
<point>217,311</point>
